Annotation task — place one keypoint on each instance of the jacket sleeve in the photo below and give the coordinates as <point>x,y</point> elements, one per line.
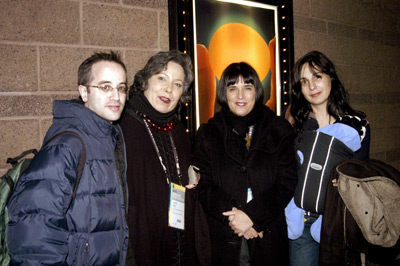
<point>38,230</point>
<point>271,203</point>
<point>213,198</point>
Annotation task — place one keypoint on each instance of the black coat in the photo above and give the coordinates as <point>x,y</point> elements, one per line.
<point>153,241</point>
<point>269,169</point>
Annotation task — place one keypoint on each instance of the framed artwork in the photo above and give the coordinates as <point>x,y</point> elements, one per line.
<point>216,33</point>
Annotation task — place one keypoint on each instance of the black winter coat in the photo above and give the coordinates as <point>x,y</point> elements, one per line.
<point>153,241</point>
<point>269,169</point>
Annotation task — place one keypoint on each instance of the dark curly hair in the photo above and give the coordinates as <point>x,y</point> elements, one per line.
<point>158,63</point>
<point>231,75</point>
<point>337,106</point>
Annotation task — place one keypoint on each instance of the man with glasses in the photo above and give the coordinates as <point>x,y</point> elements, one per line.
<point>47,224</point>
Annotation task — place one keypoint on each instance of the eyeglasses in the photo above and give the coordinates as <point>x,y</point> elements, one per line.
<point>107,88</point>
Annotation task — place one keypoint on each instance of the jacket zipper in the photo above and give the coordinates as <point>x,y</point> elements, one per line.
<point>119,197</point>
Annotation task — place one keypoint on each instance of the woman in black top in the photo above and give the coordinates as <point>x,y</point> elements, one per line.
<point>248,173</point>
<point>158,155</point>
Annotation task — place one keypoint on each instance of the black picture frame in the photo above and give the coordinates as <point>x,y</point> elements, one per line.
<point>182,35</point>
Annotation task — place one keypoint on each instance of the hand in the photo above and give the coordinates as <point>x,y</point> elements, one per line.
<point>190,186</point>
<point>252,233</point>
<point>194,175</point>
<point>335,183</point>
<point>238,221</point>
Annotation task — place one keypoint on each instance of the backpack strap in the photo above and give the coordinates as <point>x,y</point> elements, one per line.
<point>81,163</point>
<point>15,160</point>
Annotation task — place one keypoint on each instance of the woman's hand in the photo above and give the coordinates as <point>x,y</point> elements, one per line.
<point>190,186</point>
<point>194,177</point>
<point>238,221</point>
<point>252,233</point>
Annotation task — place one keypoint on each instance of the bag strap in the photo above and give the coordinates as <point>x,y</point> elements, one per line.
<point>15,160</point>
<point>81,163</point>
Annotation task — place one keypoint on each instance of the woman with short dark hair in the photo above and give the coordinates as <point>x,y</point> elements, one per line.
<point>249,76</point>
<point>248,173</point>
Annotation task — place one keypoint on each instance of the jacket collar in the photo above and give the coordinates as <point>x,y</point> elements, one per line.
<point>77,114</point>
<point>269,132</point>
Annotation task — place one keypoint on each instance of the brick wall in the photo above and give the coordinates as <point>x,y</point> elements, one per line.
<point>44,41</point>
<point>362,37</point>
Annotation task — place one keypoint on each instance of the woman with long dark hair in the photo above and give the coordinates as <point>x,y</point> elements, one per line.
<point>318,101</point>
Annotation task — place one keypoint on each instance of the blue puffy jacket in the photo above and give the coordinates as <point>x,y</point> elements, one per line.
<point>93,231</point>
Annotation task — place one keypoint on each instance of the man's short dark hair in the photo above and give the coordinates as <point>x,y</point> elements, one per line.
<point>85,69</point>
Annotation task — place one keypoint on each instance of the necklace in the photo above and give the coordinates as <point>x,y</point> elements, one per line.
<point>249,135</point>
<point>178,169</point>
<point>166,128</point>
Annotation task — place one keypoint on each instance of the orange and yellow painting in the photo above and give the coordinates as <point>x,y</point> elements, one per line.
<point>228,32</point>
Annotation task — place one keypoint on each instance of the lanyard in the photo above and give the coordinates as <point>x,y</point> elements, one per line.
<point>178,169</point>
